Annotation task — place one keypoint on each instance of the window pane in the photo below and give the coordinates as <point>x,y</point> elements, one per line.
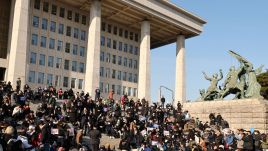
<point>51,43</point>
<point>74,65</point>
<point>58,63</point>
<point>45,6</point>
<point>31,77</point>
<point>36,21</point>
<point>42,59</point>
<point>33,58</point>
<point>69,15</point>
<point>84,20</point>
<point>62,12</point>
<point>43,42</point>
<point>44,23</point>
<point>54,10</point>
<point>83,35</point>
<point>37,4</point>
<point>60,44</point>
<point>82,51</point>
<point>67,47</point>
<point>68,31</point>
<point>65,81</point>
<point>73,83</point>
<point>50,61</point>
<point>41,77</point>
<point>75,49</point>
<point>66,64</point>
<point>77,16</point>
<point>80,84</point>
<point>34,39</point>
<point>61,28</point>
<point>53,26</point>
<point>76,33</point>
<point>49,79</point>
<point>81,67</point>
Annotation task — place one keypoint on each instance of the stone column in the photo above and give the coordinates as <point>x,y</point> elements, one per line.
<point>144,85</point>
<point>18,42</point>
<point>92,78</point>
<point>180,87</point>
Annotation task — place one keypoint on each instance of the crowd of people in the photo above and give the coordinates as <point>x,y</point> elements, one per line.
<point>66,125</point>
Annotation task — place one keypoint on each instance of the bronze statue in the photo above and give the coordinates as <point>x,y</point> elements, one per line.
<point>241,81</point>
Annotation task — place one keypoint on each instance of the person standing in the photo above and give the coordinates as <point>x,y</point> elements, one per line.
<point>18,85</point>
<point>95,136</point>
<point>97,94</point>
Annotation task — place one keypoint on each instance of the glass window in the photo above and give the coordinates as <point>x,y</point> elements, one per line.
<point>135,78</point>
<point>61,28</point>
<point>109,28</point>
<point>114,59</point>
<point>33,58</point>
<point>66,64</point>
<point>67,47</point>
<point>120,46</point>
<point>76,33</point>
<point>135,64</point>
<point>119,75</point>
<point>115,30</point>
<point>125,62</point>
<point>51,43</point>
<point>49,79</point>
<point>62,12</point>
<point>108,56</point>
<point>34,39</point>
<point>42,59</point>
<point>118,91</point>
<point>44,23</point>
<point>57,80</point>
<point>36,21</point>
<point>120,32</point>
<point>129,91</point>
<point>68,31</point>
<point>83,35</point>
<point>134,92</point>
<point>74,66</point>
<point>58,63</point>
<point>37,4</point>
<point>130,49</point>
<point>54,10</point>
<point>84,19</point>
<point>107,87</point>
<point>107,73</point>
<point>119,60</point>
<point>80,84</point>
<point>76,17</point>
<point>125,47</point>
<point>130,77</point>
<point>113,87</point>
<point>45,6</point>
<point>101,56</point>
<point>136,37</point>
<point>43,42</point>
<point>31,77</point>
<point>53,26</point>
<point>131,35</point>
<point>114,44</point>
<point>82,51</point>
<point>73,83</point>
<point>109,42</point>
<point>40,79</point>
<point>136,51</point>
<point>130,63</point>
<point>81,67</point>
<point>75,49</point>
<point>103,25</point>
<point>50,61</point>
<point>101,71</point>
<point>69,15</point>
<point>113,74</point>
<point>65,81</point>
<point>126,34</point>
<point>60,44</point>
<point>102,41</point>
<point>124,76</point>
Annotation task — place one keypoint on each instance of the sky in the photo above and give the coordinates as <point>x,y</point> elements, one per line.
<point>238,25</point>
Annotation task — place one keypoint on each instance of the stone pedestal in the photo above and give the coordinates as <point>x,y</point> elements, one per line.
<point>244,113</point>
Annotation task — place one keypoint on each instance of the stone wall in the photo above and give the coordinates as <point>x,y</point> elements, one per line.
<point>246,113</point>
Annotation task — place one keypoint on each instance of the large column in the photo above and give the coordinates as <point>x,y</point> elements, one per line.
<point>144,85</point>
<point>93,49</point>
<point>19,42</point>
<point>180,87</point>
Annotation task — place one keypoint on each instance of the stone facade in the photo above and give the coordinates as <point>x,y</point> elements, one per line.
<point>246,114</point>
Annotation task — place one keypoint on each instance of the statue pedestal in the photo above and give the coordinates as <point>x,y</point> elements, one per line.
<point>243,113</point>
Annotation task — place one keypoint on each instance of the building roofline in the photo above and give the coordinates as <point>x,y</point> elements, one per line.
<point>182,10</point>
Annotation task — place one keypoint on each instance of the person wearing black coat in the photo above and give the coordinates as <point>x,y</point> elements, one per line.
<point>95,136</point>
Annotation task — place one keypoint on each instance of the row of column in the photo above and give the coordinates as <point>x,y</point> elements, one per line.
<point>19,47</point>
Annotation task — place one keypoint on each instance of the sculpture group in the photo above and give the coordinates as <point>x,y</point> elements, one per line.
<point>241,81</point>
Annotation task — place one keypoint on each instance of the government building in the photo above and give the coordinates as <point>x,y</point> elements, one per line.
<point>89,44</point>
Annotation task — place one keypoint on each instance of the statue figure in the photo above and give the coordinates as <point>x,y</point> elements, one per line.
<point>212,91</point>
<point>241,81</point>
